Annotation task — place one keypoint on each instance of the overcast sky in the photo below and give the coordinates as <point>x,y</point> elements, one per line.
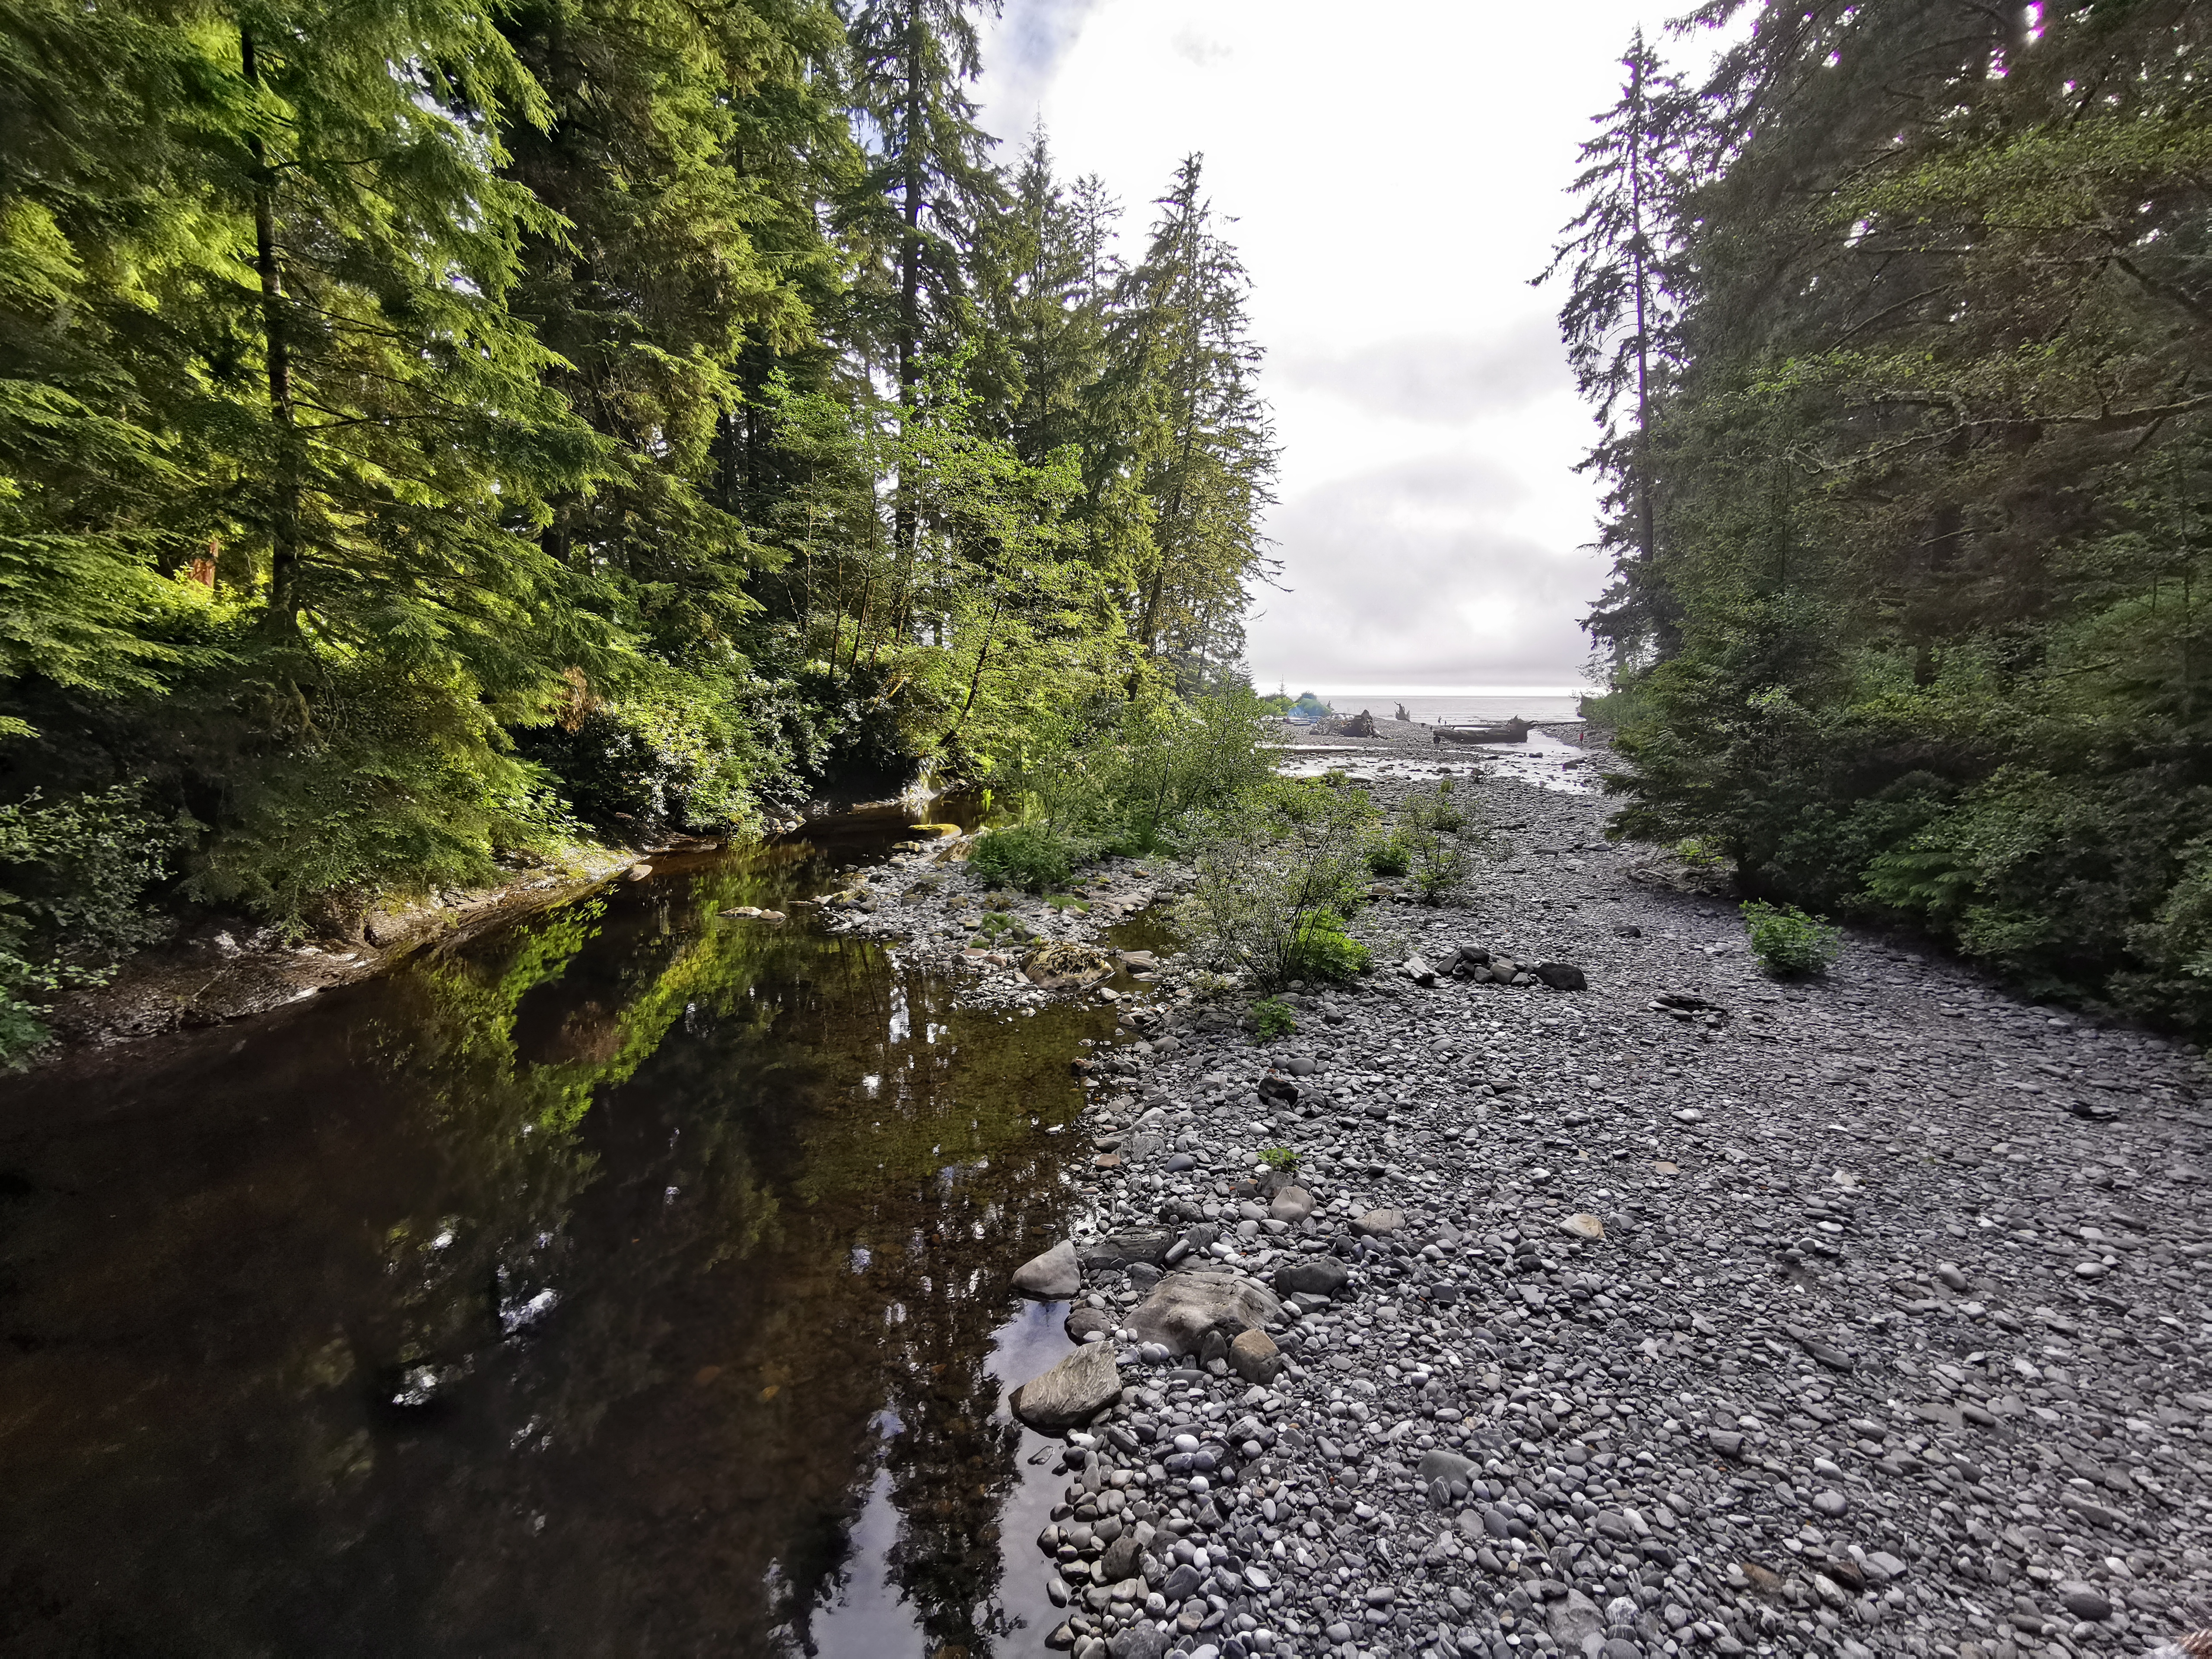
<point>1397,174</point>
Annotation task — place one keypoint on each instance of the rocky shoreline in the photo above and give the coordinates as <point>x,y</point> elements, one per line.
<point>1687,1313</point>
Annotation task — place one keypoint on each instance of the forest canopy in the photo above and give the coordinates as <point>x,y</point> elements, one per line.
<point>431,433</point>
<point>1899,325</point>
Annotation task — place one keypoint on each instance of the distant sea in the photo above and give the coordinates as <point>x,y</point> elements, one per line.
<point>1435,709</point>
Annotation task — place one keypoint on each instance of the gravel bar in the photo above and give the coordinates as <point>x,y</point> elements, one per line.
<point>1687,1313</point>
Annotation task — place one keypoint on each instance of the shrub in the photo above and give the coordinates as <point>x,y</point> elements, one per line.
<point>1281,1159</point>
<point>74,870</point>
<point>1292,862</point>
<point>1273,1017</point>
<point>1433,810</point>
<point>1440,865</point>
<point>1033,857</point>
<point>1439,856</point>
<point>1788,941</point>
<point>1324,951</point>
<point>1136,775</point>
<point>1390,856</point>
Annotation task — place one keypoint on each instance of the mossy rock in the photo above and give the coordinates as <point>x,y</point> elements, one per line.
<point>1067,966</point>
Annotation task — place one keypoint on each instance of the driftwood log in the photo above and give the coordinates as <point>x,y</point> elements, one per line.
<point>1507,731</point>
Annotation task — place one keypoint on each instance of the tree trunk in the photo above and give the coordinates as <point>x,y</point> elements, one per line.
<point>282,614</point>
<point>905,512</point>
<point>975,680</point>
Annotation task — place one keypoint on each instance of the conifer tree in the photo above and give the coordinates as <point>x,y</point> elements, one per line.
<point>1622,252</point>
<point>915,210</point>
<point>685,236</point>
<point>1044,278</point>
<point>1192,423</point>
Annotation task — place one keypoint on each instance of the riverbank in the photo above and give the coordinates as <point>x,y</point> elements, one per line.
<point>226,968</point>
<point>1689,1312</point>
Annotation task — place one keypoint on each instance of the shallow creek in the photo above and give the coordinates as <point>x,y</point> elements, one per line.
<point>630,1281</point>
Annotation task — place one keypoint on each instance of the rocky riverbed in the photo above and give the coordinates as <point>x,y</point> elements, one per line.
<point>1686,1313</point>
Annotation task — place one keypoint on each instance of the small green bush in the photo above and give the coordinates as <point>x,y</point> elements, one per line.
<point>1433,812</point>
<point>1390,856</point>
<point>73,872</point>
<point>1788,941</point>
<point>1274,1018</point>
<point>1028,856</point>
<point>1697,855</point>
<point>1281,1159</point>
<point>1441,867</point>
<point>1324,951</point>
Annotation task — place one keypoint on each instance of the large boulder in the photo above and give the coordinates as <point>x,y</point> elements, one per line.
<point>1053,1277</point>
<point>1441,1465</point>
<point>1573,1620</point>
<point>1121,1557</point>
<point>1072,1392</point>
<point>1191,1302</point>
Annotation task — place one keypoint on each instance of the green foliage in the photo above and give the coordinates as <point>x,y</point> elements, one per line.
<point>1441,867</point>
<point>73,874</point>
<point>1787,941</point>
<point>678,750</point>
<point>1434,844</point>
<point>1271,1018</point>
<point>427,433</point>
<point>1280,1159</point>
<point>1034,857</point>
<point>1390,855</point>
<point>1910,517</point>
<point>1131,775</point>
<point>1323,950</point>
<point>1433,812</point>
<point>1276,878</point>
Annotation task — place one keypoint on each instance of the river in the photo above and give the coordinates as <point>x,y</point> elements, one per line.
<point>630,1281</point>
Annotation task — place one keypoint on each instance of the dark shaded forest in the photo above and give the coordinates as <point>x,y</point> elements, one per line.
<point>1899,325</point>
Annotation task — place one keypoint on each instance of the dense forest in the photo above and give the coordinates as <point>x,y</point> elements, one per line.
<point>1898,325</point>
<point>430,434</point>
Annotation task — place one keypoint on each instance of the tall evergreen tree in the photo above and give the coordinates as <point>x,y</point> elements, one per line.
<point>928,181</point>
<point>1196,427</point>
<point>1623,254</point>
<point>1044,278</point>
<point>684,236</point>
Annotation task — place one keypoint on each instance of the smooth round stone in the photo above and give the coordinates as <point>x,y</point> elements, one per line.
<point>1180,1162</point>
<point>1830,1504</point>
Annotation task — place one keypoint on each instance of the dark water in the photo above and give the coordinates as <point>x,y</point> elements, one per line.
<point>630,1283</point>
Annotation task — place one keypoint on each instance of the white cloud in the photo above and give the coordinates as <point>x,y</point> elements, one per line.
<point>1398,175</point>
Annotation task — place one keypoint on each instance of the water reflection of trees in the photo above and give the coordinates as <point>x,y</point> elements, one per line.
<point>631,1273</point>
